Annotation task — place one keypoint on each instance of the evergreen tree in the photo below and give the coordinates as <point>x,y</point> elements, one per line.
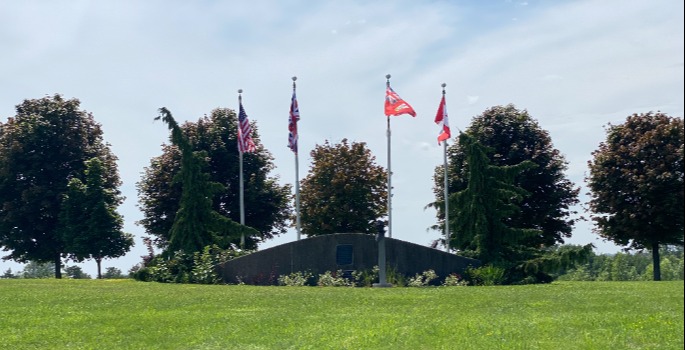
<point>512,136</point>
<point>266,202</point>
<point>196,224</point>
<point>479,227</point>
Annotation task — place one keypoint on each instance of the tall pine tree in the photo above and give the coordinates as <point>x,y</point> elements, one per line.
<point>196,224</point>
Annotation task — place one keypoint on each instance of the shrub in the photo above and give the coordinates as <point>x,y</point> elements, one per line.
<point>454,280</point>
<point>366,278</point>
<point>423,279</point>
<point>295,279</point>
<point>487,275</point>
<point>328,279</point>
<point>200,267</point>
<point>395,278</point>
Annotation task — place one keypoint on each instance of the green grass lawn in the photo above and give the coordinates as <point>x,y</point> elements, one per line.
<point>124,314</point>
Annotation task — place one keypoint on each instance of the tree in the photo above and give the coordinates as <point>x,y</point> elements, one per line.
<point>266,202</point>
<point>113,273</point>
<point>8,274</point>
<point>38,270</point>
<point>511,136</point>
<point>484,205</point>
<point>636,184</point>
<point>43,147</point>
<point>196,224</point>
<point>90,226</point>
<point>76,272</point>
<point>345,190</point>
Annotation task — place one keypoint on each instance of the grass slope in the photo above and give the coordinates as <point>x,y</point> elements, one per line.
<point>124,314</point>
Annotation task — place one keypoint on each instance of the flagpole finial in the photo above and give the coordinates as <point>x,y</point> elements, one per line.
<point>294,78</point>
<point>387,76</point>
<point>443,85</point>
<point>240,91</point>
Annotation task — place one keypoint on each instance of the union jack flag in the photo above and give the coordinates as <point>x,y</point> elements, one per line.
<point>245,143</point>
<point>292,124</point>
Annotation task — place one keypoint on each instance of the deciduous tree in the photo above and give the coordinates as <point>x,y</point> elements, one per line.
<point>90,225</point>
<point>43,147</point>
<point>345,191</point>
<point>636,184</point>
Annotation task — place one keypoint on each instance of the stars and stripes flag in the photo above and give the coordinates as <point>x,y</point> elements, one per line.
<point>394,105</point>
<point>441,119</point>
<point>245,143</point>
<point>292,123</point>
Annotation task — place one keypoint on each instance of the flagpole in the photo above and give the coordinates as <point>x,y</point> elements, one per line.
<point>447,211</point>
<point>387,77</point>
<point>240,166</point>
<point>297,182</point>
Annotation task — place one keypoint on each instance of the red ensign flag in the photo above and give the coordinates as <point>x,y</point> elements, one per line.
<point>394,105</point>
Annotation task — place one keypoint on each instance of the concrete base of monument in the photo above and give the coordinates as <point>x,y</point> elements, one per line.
<point>382,285</point>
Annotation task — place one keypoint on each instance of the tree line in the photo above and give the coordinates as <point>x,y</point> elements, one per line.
<point>622,266</point>
<point>510,201</point>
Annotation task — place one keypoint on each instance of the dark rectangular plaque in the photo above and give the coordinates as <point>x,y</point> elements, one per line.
<point>343,254</point>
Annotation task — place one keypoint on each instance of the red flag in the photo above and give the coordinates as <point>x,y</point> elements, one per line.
<point>441,119</point>
<point>394,105</point>
<point>245,143</point>
<point>292,123</point>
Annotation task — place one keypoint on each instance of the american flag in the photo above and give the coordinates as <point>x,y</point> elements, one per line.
<point>245,143</point>
<point>292,124</point>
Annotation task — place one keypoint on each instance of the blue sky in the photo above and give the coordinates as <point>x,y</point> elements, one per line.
<point>573,65</point>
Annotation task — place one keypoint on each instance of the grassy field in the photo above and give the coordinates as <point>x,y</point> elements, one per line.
<point>124,314</point>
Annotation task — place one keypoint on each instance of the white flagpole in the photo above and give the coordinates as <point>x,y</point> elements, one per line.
<point>387,77</point>
<point>447,211</point>
<point>242,204</point>
<point>297,180</point>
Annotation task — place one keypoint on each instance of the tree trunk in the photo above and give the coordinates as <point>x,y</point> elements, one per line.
<point>58,267</point>
<point>656,261</point>
<point>99,261</point>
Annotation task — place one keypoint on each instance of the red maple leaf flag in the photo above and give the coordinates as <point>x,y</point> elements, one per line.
<point>441,119</point>
<point>395,105</point>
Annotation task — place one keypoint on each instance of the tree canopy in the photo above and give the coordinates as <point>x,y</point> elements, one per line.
<point>89,223</point>
<point>511,136</point>
<point>636,183</point>
<point>345,191</point>
<point>43,147</point>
